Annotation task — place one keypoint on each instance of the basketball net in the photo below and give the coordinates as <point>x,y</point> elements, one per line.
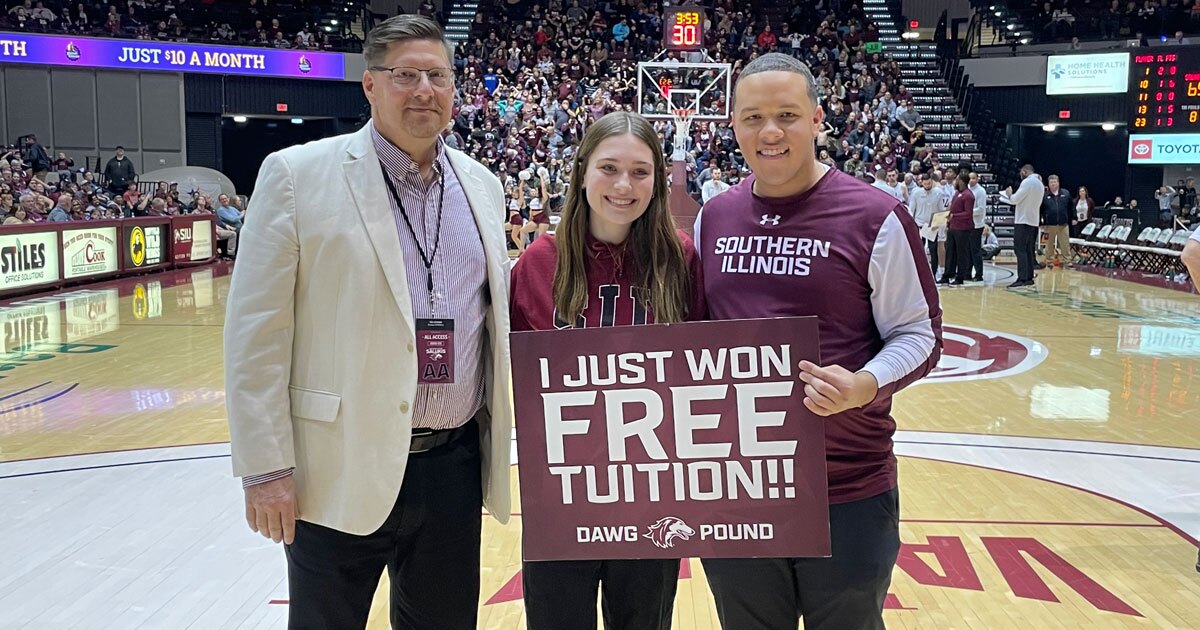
<point>683,127</point>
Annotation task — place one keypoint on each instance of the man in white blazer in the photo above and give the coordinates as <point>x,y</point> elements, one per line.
<point>366,353</point>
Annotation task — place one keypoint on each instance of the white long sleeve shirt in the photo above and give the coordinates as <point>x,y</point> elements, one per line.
<point>1028,200</point>
<point>979,213</point>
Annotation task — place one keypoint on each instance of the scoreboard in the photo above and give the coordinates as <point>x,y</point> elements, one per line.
<point>683,28</point>
<point>1165,88</point>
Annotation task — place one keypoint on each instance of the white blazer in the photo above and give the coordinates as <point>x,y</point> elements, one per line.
<point>320,372</point>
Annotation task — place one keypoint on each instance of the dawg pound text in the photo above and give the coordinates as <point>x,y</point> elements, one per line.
<point>706,441</point>
<point>665,531</point>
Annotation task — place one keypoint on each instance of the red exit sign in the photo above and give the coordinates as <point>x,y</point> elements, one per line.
<point>1064,114</point>
<point>281,107</point>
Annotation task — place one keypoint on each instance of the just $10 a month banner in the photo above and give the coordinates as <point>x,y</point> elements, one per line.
<point>666,441</point>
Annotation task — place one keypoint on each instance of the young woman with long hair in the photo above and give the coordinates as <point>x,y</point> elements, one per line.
<point>616,240</point>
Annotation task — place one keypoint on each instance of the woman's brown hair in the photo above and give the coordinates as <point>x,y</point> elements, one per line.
<point>653,247</point>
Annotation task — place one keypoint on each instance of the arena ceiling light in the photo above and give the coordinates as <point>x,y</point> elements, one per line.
<point>1049,127</point>
<point>239,119</point>
<point>1108,126</point>
<point>1011,26</point>
<point>297,121</point>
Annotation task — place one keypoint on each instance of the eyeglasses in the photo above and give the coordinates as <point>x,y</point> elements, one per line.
<point>407,77</point>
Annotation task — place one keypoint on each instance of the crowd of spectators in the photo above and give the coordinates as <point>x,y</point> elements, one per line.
<point>533,76</point>
<point>62,192</point>
<point>293,24</point>
<point>1056,20</point>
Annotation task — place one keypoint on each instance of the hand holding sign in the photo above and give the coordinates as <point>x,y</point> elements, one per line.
<point>834,389</point>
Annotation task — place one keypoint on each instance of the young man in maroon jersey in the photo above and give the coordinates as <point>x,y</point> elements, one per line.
<point>799,238</point>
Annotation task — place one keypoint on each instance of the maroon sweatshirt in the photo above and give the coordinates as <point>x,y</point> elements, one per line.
<point>849,254</point>
<point>961,209</point>
<point>610,289</point>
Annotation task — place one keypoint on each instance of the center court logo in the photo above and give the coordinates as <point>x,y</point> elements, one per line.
<point>970,354</point>
<point>666,530</point>
<point>1141,150</point>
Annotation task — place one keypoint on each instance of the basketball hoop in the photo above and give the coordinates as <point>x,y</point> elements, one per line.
<point>683,125</point>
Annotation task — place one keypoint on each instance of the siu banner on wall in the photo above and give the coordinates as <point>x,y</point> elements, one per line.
<point>670,441</point>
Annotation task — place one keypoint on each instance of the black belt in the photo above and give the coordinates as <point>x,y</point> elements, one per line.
<point>428,439</point>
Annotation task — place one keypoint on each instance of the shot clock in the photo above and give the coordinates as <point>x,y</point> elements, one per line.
<point>1165,89</point>
<point>683,28</point>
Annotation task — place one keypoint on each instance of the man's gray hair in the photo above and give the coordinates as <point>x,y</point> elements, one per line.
<point>779,62</point>
<point>402,28</point>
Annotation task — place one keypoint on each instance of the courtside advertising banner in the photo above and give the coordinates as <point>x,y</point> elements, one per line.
<point>669,441</point>
<point>89,252</point>
<point>191,239</point>
<point>28,259</point>
<point>145,245</point>
<point>202,240</point>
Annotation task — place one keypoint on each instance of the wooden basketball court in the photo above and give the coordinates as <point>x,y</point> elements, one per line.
<point>1050,469</point>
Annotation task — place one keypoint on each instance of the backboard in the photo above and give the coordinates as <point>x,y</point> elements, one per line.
<point>664,87</point>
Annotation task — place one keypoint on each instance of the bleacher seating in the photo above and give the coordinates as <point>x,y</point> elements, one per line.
<point>1030,22</point>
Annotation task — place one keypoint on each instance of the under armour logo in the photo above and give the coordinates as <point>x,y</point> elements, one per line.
<point>773,219</point>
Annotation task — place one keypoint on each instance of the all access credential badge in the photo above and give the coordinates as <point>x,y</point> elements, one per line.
<point>435,351</point>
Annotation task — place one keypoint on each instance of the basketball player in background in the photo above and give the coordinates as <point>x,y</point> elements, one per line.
<point>866,278</point>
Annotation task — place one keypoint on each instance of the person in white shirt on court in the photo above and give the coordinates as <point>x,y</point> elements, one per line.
<point>979,216</point>
<point>714,186</point>
<point>1028,202</point>
<point>892,186</point>
<point>924,202</point>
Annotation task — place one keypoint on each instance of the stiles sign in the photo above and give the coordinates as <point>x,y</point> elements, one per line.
<point>670,441</point>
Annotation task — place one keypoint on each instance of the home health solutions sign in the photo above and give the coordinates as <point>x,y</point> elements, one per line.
<point>668,441</point>
<point>119,54</point>
<point>1105,73</point>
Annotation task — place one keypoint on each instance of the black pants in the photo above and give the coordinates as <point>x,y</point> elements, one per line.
<point>932,247</point>
<point>977,254</point>
<point>842,592</point>
<point>1025,247</point>
<point>429,544</point>
<point>958,255</point>
<point>636,594</point>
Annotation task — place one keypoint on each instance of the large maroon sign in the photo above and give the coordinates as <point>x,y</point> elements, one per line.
<point>669,441</point>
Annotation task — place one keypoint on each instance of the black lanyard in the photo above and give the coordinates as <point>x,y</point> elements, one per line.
<point>437,238</point>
